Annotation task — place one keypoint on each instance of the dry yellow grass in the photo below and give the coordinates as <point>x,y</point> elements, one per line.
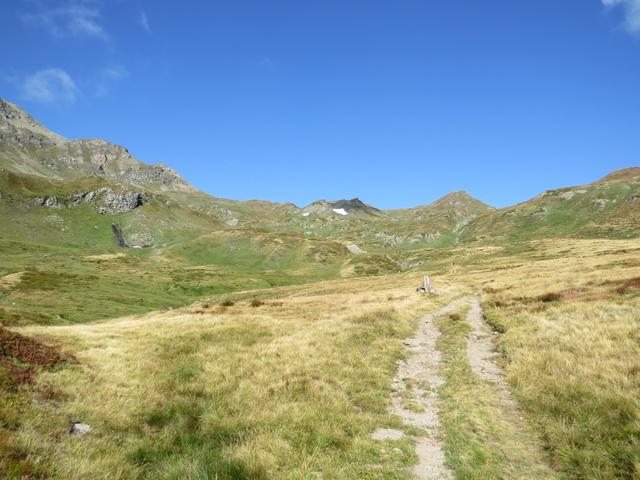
<point>8,281</point>
<point>282,390</point>
<point>292,384</point>
<point>105,256</point>
<point>572,355</point>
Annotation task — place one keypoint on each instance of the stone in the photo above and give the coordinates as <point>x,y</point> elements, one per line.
<point>49,202</point>
<point>79,428</point>
<point>353,248</point>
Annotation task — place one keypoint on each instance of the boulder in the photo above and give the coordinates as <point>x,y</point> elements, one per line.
<point>120,202</point>
<point>79,428</point>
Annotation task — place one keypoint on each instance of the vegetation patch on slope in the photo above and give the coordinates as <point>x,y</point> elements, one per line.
<point>21,358</point>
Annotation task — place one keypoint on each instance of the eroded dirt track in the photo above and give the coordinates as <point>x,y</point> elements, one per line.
<point>415,397</point>
<point>481,353</point>
<point>416,400</point>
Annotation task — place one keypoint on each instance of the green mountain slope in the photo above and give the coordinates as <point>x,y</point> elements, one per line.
<point>89,232</point>
<point>608,208</point>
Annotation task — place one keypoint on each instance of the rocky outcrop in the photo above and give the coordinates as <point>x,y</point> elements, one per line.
<point>105,200</point>
<point>49,202</point>
<point>135,240</point>
<point>397,240</point>
<point>120,202</point>
<point>18,127</point>
<point>88,197</point>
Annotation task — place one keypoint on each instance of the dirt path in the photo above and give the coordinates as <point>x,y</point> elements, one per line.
<point>415,394</point>
<point>481,352</point>
<point>415,397</point>
<point>520,441</point>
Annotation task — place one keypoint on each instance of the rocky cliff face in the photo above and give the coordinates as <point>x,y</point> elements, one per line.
<point>28,147</point>
<point>104,200</point>
<point>19,127</point>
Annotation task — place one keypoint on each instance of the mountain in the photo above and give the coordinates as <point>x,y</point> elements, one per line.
<point>28,147</point>
<point>89,221</point>
<point>609,208</point>
<point>439,223</point>
<point>354,206</point>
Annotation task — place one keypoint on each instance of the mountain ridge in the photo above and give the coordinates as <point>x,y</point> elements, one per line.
<point>27,147</point>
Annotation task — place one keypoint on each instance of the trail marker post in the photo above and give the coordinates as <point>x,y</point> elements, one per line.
<point>426,285</point>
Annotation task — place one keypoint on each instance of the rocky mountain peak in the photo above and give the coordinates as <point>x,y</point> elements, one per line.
<point>353,204</point>
<point>341,207</point>
<point>458,200</point>
<point>16,121</point>
<point>64,159</point>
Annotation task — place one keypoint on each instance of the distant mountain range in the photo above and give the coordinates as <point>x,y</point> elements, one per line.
<point>85,219</point>
<point>63,174</point>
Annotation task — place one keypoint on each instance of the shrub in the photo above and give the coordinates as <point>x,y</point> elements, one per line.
<point>631,284</point>
<point>550,297</point>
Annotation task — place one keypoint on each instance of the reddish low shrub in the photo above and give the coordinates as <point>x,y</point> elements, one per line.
<point>550,297</point>
<point>19,355</point>
<point>629,285</point>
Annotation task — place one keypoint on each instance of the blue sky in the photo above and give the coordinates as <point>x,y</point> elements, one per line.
<point>394,102</point>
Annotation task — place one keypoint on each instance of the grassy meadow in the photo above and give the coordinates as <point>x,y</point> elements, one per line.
<point>290,382</point>
<point>279,383</point>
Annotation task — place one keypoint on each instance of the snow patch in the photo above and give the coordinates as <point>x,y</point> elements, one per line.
<point>305,214</point>
<point>340,211</point>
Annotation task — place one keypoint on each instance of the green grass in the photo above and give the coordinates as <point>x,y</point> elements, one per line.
<point>481,439</point>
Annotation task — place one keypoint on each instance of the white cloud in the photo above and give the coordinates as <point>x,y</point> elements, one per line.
<point>144,22</point>
<point>78,18</point>
<point>106,77</point>
<point>115,72</point>
<point>49,86</point>
<point>632,13</point>
<point>266,63</point>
